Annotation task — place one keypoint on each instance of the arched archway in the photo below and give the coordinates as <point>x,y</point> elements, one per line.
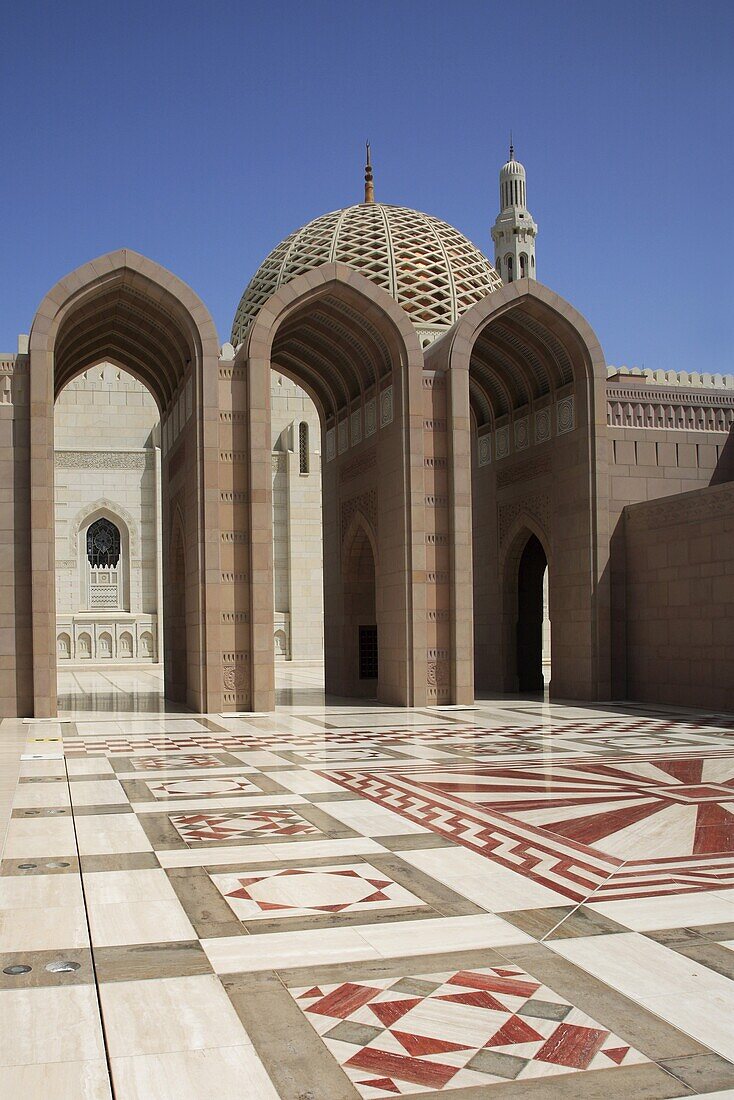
<point>360,611</point>
<point>531,570</point>
<point>355,352</point>
<point>127,310</point>
<point>528,380</point>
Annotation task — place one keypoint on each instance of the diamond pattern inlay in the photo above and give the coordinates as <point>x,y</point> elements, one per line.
<point>452,1030</point>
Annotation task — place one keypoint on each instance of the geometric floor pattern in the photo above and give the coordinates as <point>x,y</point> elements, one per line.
<point>423,1032</point>
<point>351,901</point>
<point>298,891</point>
<point>622,827</point>
<point>213,827</point>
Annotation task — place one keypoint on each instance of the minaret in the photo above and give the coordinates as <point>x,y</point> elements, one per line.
<point>514,232</point>
<point>369,184</point>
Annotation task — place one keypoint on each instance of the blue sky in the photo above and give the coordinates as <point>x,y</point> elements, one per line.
<point>202,133</point>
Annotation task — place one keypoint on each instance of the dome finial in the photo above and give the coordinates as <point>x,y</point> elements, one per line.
<point>369,186</point>
<point>512,148</point>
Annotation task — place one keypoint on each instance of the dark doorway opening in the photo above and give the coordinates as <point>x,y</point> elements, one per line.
<point>368,666</point>
<point>531,573</point>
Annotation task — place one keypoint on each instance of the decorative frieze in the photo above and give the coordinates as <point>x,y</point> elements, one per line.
<point>484,450</point>
<point>543,425</point>
<point>366,503</point>
<point>565,415</point>
<point>103,460</point>
<point>526,470</point>
<point>536,505</point>
<point>386,407</point>
<point>330,444</point>
<point>358,466</point>
<point>370,416</point>
<point>522,433</point>
<point>502,441</point>
<point>356,427</point>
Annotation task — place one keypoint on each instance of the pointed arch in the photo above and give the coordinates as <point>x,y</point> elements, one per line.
<point>125,309</point>
<point>349,344</point>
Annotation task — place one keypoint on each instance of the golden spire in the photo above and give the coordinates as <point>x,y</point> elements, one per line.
<point>369,186</point>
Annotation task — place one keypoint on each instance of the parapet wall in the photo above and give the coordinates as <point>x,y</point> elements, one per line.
<point>680,599</point>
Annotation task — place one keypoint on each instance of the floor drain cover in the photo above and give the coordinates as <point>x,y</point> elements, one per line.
<point>32,813</point>
<point>64,966</point>
<point>57,863</point>
<point>16,970</point>
<point>26,866</point>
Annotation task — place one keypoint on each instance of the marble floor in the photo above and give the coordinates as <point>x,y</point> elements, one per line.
<point>342,901</point>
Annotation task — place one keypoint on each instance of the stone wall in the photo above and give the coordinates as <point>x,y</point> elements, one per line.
<point>297,534</point>
<point>680,599</point>
<point>105,430</point>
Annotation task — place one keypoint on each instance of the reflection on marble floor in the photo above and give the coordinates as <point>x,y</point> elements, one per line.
<point>343,901</point>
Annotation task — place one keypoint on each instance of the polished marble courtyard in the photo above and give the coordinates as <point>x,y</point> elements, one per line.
<point>339,901</point>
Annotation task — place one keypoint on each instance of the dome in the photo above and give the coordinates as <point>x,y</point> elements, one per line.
<point>430,268</point>
<point>512,168</point>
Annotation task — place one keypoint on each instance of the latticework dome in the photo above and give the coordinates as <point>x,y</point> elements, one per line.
<point>430,268</point>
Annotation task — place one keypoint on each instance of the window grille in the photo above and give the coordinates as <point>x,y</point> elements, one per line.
<point>103,544</point>
<point>303,447</point>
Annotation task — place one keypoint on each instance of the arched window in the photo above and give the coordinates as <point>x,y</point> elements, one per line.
<point>103,566</point>
<point>523,265</point>
<point>103,544</point>
<point>509,269</point>
<point>303,447</point>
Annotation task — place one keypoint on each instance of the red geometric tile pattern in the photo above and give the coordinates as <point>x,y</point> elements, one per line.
<point>215,827</point>
<point>622,829</point>
<point>304,891</point>
<point>428,1032</point>
<point>161,763</point>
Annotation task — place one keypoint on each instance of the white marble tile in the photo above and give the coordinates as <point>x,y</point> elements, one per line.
<point>40,891</point>
<point>100,792</point>
<point>43,929</point>
<point>93,765</point>
<point>43,836</point>
<point>371,820</point>
<point>497,889</point>
<point>57,1081</point>
<point>29,795</point>
<point>116,923</point>
<point>303,781</point>
<point>244,802</point>
<point>213,1074</point>
<point>107,834</point>
<point>128,887</point>
<point>276,950</point>
<point>50,1024</point>
<point>706,1016</point>
<point>418,937</point>
<point>156,1017</point>
<point>248,855</point>
<point>673,911</point>
<point>639,967</point>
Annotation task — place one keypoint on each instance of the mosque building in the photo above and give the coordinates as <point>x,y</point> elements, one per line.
<point>407,462</point>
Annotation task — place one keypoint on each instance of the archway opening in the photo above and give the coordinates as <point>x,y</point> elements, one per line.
<point>124,311</point>
<point>107,510</point>
<point>360,633</point>
<point>337,450</point>
<point>531,589</point>
<point>531,391</point>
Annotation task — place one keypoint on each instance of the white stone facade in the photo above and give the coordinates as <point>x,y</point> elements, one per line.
<point>107,467</point>
<point>298,628</point>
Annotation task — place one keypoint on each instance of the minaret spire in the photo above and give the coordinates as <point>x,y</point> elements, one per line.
<point>369,186</point>
<point>514,231</point>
